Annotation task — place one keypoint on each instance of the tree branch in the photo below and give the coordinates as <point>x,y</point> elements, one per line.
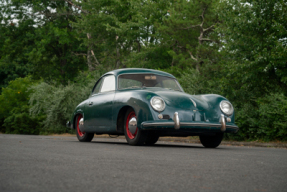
<point>192,57</point>
<point>95,57</point>
<point>205,39</point>
<point>79,54</point>
<point>202,16</point>
<point>55,14</point>
<point>192,26</point>
<point>209,28</point>
<point>76,6</point>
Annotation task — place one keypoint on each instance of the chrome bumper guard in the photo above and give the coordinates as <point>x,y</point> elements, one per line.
<point>177,124</point>
<point>68,124</point>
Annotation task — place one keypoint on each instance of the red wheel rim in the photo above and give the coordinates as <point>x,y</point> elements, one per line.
<point>130,135</point>
<point>80,133</point>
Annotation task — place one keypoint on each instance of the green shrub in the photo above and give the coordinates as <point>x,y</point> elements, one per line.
<point>57,103</point>
<point>262,119</point>
<point>273,117</point>
<point>14,95</point>
<point>20,122</point>
<point>14,110</point>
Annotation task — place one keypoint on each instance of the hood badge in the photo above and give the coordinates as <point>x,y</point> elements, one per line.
<point>193,102</point>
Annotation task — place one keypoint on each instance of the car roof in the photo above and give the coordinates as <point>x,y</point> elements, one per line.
<point>118,72</point>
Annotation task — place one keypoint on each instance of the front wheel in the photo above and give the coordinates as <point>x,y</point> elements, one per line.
<point>133,134</point>
<point>82,136</point>
<point>211,141</point>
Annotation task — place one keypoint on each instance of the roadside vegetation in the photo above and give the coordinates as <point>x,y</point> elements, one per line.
<point>53,51</point>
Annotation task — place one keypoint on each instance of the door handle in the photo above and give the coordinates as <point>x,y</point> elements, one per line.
<point>90,103</point>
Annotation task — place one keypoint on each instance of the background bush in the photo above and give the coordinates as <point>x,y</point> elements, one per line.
<point>273,117</point>
<point>57,102</point>
<point>14,110</point>
<point>20,122</point>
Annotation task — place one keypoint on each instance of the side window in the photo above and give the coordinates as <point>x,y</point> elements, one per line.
<point>109,83</point>
<point>98,86</point>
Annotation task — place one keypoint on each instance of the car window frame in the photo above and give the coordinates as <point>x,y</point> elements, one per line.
<point>117,82</point>
<point>102,78</point>
<point>99,80</point>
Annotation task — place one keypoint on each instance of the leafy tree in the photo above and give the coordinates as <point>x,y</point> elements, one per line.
<point>16,41</point>
<point>122,33</point>
<point>42,40</point>
<point>254,36</point>
<point>188,29</point>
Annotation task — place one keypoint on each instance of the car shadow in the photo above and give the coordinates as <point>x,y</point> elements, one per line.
<point>159,145</point>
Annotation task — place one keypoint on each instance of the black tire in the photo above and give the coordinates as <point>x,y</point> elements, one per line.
<point>152,138</point>
<point>211,141</point>
<point>82,136</point>
<point>139,137</point>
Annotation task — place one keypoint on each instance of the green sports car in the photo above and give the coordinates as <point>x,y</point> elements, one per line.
<point>145,104</point>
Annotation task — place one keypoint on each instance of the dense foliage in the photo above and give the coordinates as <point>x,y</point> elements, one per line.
<point>14,110</point>
<point>53,51</point>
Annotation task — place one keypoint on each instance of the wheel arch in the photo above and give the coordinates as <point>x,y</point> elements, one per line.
<point>74,119</point>
<point>121,116</point>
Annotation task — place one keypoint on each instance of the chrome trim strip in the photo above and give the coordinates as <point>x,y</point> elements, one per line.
<point>199,124</point>
<point>232,127</point>
<point>187,124</point>
<point>157,124</point>
<point>181,123</point>
<point>193,102</point>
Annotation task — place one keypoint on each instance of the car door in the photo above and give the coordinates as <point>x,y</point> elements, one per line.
<point>100,105</point>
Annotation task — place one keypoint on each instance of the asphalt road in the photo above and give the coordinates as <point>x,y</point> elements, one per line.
<point>56,163</point>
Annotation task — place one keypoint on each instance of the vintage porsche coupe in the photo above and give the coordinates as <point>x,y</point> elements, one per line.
<point>145,104</point>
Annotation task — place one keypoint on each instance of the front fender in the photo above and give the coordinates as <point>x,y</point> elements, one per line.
<point>139,101</point>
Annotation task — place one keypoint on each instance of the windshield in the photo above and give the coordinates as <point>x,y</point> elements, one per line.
<point>129,81</point>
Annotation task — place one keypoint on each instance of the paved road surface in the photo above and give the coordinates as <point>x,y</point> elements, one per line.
<point>56,163</point>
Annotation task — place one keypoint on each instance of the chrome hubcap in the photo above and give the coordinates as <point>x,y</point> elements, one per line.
<point>133,125</point>
<point>81,124</point>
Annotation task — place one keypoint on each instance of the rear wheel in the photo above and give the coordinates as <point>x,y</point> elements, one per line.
<point>211,141</point>
<point>82,136</point>
<point>152,138</point>
<point>133,134</point>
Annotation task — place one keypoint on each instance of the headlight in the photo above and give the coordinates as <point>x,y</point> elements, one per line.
<point>157,103</point>
<point>226,107</point>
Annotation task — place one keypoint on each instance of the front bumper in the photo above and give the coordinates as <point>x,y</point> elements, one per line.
<point>197,126</point>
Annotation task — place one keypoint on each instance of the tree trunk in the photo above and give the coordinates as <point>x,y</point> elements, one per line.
<point>89,54</point>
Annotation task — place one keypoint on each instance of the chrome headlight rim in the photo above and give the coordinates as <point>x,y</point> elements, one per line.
<point>157,109</point>
<point>230,112</point>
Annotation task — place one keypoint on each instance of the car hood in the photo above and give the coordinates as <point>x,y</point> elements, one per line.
<point>184,100</point>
